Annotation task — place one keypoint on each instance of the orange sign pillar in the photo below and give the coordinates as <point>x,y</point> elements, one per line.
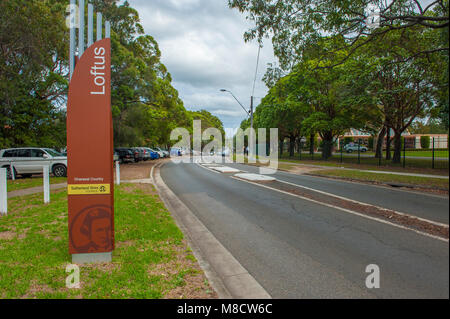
<point>90,157</point>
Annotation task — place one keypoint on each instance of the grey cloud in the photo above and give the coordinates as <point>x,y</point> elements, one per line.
<point>203,48</point>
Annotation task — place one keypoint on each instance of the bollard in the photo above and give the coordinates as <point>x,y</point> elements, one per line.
<point>3,192</point>
<point>117,173</point>
<point>432,159</point>
<point>46,185</point>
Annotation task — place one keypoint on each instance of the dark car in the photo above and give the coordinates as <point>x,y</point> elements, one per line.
<point>126,155</point>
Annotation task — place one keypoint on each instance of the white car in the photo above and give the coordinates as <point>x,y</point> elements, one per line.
<point>164,153</point>
<point>27,161</point>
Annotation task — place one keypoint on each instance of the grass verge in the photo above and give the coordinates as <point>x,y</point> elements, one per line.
<point>385,178</point>
<point>23,183</point>
<point>151,259</point>
<point>369,164</point>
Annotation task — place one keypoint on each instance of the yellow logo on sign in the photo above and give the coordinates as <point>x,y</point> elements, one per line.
<point>88,189</point>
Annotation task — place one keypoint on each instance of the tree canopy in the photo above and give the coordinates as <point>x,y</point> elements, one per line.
<point>34,77</point>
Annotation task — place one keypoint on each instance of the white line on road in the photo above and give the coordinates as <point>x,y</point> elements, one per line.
<point>366,204</point>
<point>346,210</point>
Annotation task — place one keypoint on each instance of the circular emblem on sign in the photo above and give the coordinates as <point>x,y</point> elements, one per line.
<point>91,230</point>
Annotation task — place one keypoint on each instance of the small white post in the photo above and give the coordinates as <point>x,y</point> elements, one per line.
<point>3,192</point>
<point>46,185</point>
<point>13,175</point>
<point>117,173</point>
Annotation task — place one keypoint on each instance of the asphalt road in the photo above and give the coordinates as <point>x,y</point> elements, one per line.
<point>298,249</point>
<point>427,206</point>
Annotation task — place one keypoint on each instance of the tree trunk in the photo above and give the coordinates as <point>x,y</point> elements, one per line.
<point>291,145</point>
<point>388,143</point>
<point>327,147</point>
<point>299,146</point>
<point>281,146</point>
<point>311,144</point>
<point>380,140</point>
<point>397,147</point>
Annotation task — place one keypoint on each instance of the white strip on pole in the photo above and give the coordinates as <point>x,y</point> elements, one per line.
<point>3,192</point>
<point>81,30</point>
<point>107,29</point>
<point>46,185</point>
<point>99,26</point>
<point>90,25</point>
<point>117,173</point>
<point>72,18</point>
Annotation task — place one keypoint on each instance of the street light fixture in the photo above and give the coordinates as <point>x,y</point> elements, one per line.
<point>247,112</point>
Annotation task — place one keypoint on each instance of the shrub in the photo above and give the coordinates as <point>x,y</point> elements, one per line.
<point>348,139</point>
<point>425,142</point>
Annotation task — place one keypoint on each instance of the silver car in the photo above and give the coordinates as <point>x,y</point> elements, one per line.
<point>27,161</point>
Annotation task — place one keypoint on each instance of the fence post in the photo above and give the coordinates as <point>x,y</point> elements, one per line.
<point>117,173</point>
<point>432,160</point>
<point>359,151</point>
<point>46,184</point>
<point>404,152</point>
<point>3,192</point>
<point>300,149</point>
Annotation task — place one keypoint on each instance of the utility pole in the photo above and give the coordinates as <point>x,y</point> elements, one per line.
<point>251,112</point>
<point>251,129</point>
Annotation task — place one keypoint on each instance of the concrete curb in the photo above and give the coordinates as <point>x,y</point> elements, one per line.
<point>227,276</point>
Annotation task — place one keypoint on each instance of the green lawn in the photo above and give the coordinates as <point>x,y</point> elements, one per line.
<point>411,164</point>
<point>385,178</point>
<point>22,183</point>
<point>408,153</point>
<point>151,259</point>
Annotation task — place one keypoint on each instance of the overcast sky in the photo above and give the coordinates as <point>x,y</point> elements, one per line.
<point>202,46</point>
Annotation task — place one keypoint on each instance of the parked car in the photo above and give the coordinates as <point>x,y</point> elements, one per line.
<point>352,147</point>
<point>138,154</point>
<point>162,152</point>
<point>126,155</point>
<point>154,154</point>
<point>146,153</point>
<point>27,161</point>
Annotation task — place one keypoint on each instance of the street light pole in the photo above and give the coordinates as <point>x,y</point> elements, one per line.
<point>251,112</point>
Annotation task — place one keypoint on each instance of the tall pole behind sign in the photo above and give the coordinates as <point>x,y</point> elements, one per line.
<point>73,14</point>
<point>81,30</point>
<point>89,131</point>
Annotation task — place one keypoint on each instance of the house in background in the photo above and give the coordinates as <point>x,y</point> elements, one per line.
<point>412,141</point>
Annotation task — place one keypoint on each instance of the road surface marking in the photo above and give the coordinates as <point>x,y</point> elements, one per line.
<point>366,204</point>
<point>346,210</point>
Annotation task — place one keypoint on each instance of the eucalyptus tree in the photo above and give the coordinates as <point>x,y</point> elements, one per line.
<point>404,87</point>
<point>33,66</point>
<point>295,24</point>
